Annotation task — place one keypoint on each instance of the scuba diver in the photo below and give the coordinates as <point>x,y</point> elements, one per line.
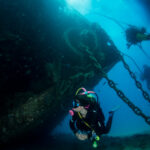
<point>136,35</point>
<point>146,75</point>
<point>87,117</point>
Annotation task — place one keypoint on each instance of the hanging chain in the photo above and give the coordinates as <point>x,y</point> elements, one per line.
<point>137,83</point>
<point>120,93</point>
<point>126,100</point>
<point>100,71</point>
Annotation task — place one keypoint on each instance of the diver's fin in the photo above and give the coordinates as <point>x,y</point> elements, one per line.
<point>115,108</point>
<point>111,112</point>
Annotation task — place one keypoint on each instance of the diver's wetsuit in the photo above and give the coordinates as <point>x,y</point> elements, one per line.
<point>94,118</point>
<point>135,36</point>
<point>131,34</point>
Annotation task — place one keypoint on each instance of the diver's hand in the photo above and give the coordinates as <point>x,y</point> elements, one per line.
<point>82,110</point>
<point>81,136</point>
<point>78,109</point>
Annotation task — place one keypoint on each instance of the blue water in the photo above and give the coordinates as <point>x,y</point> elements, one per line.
<point>125,122</point>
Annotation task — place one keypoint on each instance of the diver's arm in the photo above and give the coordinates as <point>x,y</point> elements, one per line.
<point>109,123</point>
<point>100,115</point>
<point>72,124</point>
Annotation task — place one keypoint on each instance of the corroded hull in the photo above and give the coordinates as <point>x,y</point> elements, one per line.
<point>45,57</point>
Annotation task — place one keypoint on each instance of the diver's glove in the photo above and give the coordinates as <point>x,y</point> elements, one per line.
<point>81,135</point>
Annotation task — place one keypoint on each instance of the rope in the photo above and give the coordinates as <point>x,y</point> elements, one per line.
<point>141,48</point>
<point>114,20</point>
<point>132,61</point>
